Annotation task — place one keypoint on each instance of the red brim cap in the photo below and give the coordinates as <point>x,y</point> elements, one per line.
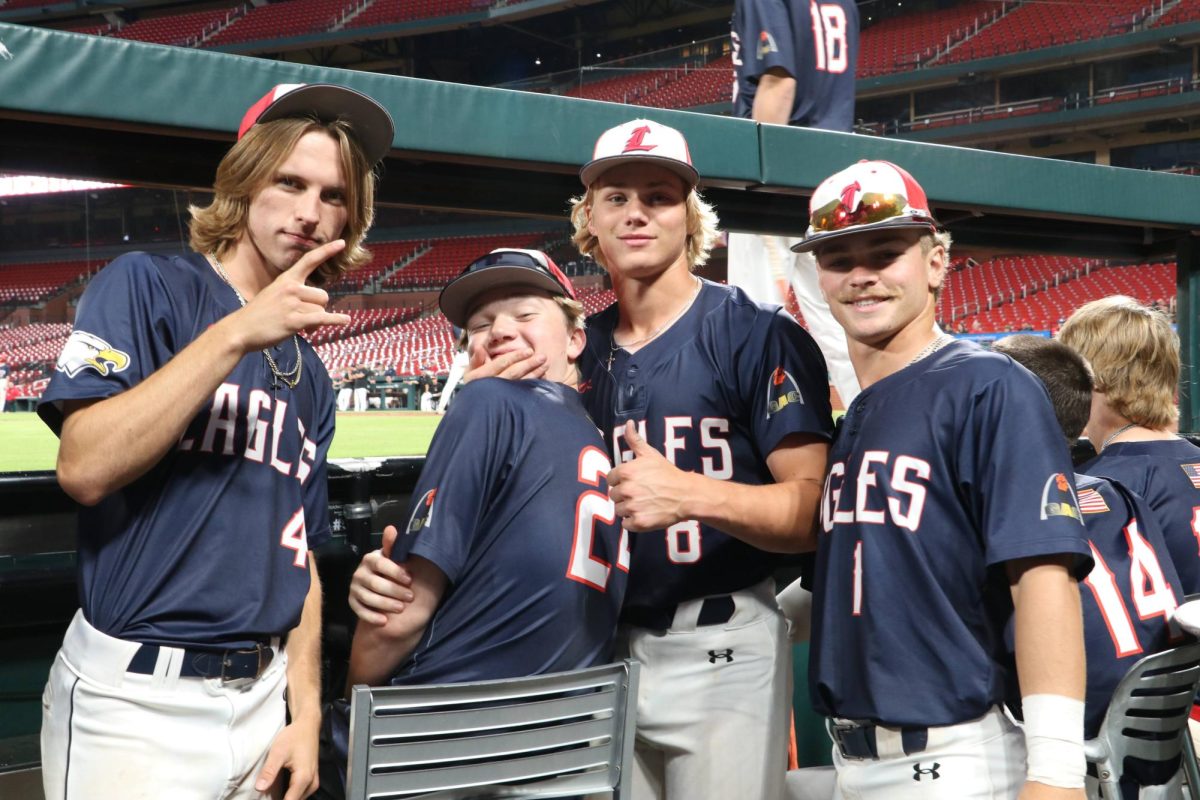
<point>371,122</point>
<point>508,268</point>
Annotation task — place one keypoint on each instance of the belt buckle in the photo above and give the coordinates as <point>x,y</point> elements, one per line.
<point>227,661</point>
<point>841,730</point>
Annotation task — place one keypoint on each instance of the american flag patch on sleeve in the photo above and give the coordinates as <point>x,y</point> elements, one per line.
<point>1193,473</point>
<point>1092,502</point>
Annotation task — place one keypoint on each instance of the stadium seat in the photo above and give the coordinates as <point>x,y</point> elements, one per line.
<point>560,735</point>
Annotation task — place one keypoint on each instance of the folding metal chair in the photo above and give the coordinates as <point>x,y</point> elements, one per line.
<point>558,735</point>
<point>1147,718</point>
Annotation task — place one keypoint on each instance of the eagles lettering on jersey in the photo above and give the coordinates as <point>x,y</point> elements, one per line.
<point>816,43</point>
<point>254,431</point>
<point>931,490</point>
<point>210,546</point>
<point>1166,474</point>
<point>702,394</point>
<point>512,506</point>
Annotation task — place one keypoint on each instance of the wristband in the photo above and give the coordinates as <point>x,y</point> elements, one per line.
<point>1054,740</point>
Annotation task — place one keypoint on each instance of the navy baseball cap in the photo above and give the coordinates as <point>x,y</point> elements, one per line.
<point>503,267</point>
<point>371,122</point>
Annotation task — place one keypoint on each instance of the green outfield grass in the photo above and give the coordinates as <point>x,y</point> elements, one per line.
<point>27,444</point>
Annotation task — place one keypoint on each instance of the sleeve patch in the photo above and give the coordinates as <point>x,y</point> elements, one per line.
<point>85,350</point>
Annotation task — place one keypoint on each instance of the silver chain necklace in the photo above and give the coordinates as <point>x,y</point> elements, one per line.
<point>1117,433</point>
<point>290,378</point>
<point>613,347</point>
<point>937,344</point>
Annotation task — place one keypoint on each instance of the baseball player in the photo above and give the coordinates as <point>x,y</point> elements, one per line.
<point>716,411</point>
<point>1133,589</point>
<point>511,512</point>
<point>1134,355</point>
<point>949,503</point>
<point>718,417</point>
<point>194,424</point>
<point>794,64</point>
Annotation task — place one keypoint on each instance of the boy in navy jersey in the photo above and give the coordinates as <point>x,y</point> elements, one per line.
<point>794,63</point>
<point>512,553</point>
<point>511,512</point>
<point>1134,355</point>
<point>1133,590</point>
<point>949,502</point>
<point>194,424</point>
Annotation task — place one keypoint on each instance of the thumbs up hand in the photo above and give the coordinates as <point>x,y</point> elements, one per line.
<point>650,492</point>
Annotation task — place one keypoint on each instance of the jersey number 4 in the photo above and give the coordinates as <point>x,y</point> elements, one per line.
<point>592,508</point>
<point>1151,594</point>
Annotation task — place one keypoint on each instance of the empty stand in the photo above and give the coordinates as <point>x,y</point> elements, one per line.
<point>283,19</point>
<point>1187,11</point>
<point>445,258</point>
<point>32,283</point>
<point>173,29</point>
<point>363,320</point>
<point>385,12</point>
<point>1045,309</point>
<point>384,256</point>
<point>903,43</point>
<point>1035,25</point>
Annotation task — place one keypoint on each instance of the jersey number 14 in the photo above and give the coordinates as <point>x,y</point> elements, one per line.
<point>1149,590</point>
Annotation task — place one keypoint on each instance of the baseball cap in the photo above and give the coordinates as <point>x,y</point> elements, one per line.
<point>505,266</point>
<point>642,140</point>
<point>863,197</point>
<point>371,122</point>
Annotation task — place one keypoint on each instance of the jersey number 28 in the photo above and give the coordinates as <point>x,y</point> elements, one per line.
<point>594,507</point>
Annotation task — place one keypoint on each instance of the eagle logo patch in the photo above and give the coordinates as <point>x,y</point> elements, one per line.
<point>85,350</point>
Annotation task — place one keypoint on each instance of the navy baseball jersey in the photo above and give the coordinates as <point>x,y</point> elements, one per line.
<point>814,42</point>
<point>933,485</point>
<point>512,506</point>
<point>1167,475</point>
<point>210,546</point>
<point>715,393</point>
<point>1130,594</point>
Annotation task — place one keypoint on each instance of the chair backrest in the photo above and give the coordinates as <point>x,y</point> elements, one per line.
<point>557,735</point>
<point>1147,717</point>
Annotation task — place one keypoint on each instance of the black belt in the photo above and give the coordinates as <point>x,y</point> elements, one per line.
<point>857,739</point>
<point>713,611</point>
<point>228,665</point>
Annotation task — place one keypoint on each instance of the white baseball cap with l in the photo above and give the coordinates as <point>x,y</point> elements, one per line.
<point>643,141</point>
<point>863,197</point>
<point>371,122</point>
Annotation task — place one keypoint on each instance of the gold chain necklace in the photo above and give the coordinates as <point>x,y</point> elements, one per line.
<point>291,378</point>
<point>613,347</point>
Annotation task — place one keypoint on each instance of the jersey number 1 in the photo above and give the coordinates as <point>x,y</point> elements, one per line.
<point>593,507</point>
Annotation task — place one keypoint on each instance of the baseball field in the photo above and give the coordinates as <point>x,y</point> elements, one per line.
<point>27,444</point>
